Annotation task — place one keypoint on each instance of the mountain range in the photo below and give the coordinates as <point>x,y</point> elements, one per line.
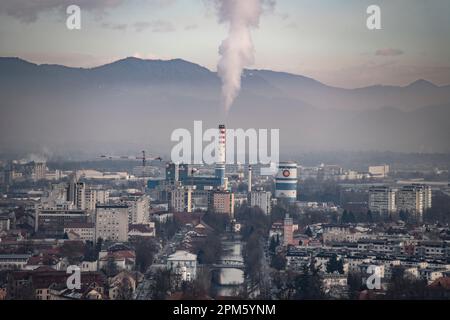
<point>132,104</point>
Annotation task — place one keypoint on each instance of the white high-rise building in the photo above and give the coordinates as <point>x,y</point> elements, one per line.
<point>90,199</point>
<point>76,193</point>
<point>262,199</point>
<point>379,171</point>
<point>415,199</point>
<point>180,200</point>
<point>382,200</point>
<point>138,208</point>
<point>111,223</point>
<point>102,196</point>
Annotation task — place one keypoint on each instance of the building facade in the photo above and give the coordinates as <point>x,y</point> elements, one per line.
<point>382,200</point>
<point>261,199</point>
<point>223,202</point>
<point>112,222</point>
<point>286,182</point>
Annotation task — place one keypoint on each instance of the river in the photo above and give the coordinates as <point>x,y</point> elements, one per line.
<point>229,280</point>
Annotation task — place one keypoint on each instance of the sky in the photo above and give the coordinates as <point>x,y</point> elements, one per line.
<point>324,39</point>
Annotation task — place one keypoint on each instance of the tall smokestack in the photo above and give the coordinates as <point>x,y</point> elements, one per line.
<point>237,51</point>
<point>222,144</point>
<point>249,179</point>
<point>220,157</point>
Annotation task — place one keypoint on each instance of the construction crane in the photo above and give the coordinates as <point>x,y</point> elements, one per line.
<point>143,158</point>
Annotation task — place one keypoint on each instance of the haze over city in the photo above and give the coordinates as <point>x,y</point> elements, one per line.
<point>239,154</point>
<point>130,102</point>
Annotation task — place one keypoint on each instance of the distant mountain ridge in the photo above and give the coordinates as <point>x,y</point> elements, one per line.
<point>144,100</point>
<point>417,94</point>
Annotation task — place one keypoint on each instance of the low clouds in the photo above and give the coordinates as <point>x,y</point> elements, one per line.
<point>27,11</point>
<point>191,27</point>
<point>389,52</point>
<point>154,26</point>
<point>115,26</point>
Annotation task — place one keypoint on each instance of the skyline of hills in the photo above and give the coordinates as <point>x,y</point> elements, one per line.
<point>135,103</point>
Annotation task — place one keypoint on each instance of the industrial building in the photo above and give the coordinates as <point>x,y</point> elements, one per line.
<point>286,182</point>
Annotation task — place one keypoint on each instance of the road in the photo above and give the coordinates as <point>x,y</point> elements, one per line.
<point>143,290</point>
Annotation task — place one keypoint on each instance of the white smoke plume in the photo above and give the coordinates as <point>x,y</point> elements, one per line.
<point>237,50</point>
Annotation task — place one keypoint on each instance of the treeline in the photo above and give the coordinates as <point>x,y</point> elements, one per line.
<point>440,210</point>
<point>306,284</point>
<point>254,231</point>
<point>166,230</point>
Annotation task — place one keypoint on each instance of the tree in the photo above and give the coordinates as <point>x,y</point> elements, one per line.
<point>440,211</point>
<point>355,285</point>
<point>199,287</point>
<point>272,245</point>
<point>73,250</point>
<point>217,221</point>
<point>253,220</point>
<point>162,284</point>
<point>369,216</point>
<point>90,252</point>
<point>403,287</point>
<point>309,285</point>
<point>278,213</point>
<point>335,265</point>
<point>98,245</point>
<point>111,268</point>
<point>145,251</point>
<point>345,217</point>
<point>278,262</point>
<point>308,232</point>
<point>284,283</point>
<point>404,215</point>
<point>209,250</point>
<point>252,257</point>
<point>124,290</point>
<point>351,217</point>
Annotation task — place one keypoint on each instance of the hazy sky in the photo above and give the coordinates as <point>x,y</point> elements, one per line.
<point>324,39</point>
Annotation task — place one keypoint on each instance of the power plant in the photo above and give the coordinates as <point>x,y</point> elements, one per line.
<point>185,173</point>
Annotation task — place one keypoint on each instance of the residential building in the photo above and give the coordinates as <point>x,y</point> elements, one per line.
<point>51,223</point>
<point>261,199</point>
<point>138,208</point>
<point>112,222</point>
<point>223,202</point>
<point>379,171</point>
<point>13,261</point>
<point>288,230</point>
<point>415,199</point>
<point>81,231</point>
<point>382,200</point>
<point>184,264</point>
<point>180,200</point>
